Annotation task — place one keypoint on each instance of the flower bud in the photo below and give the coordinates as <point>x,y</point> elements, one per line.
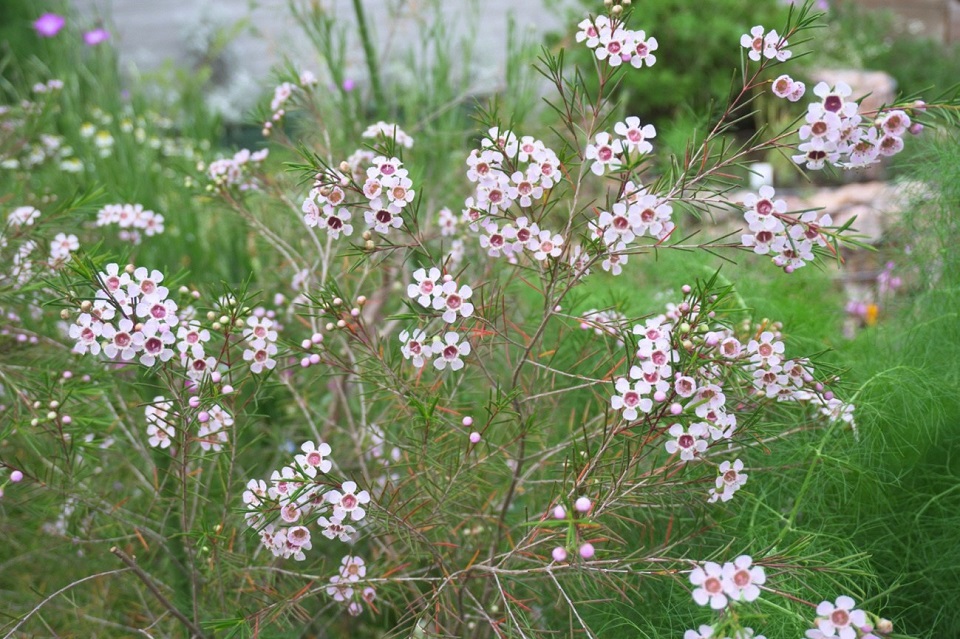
<point>559,512</point>
<point>559,554</point>
<point>587,551</point>
<point>582,504</point>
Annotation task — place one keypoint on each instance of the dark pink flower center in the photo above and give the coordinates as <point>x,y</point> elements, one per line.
<point>840,618</point>
<point>153,345</point>
<point>148,287</point>
<point>158,311</point>
<point>454,302</point>
<point>314,458</point>
<point>523,235</point>
<point>713,585</point>
<point>765,350</point>
<point>451,352</point>
<point>741,578</point>
<point>122,339</point>
<point>833,103</point>
<point>685,441</point>
<point>605,153</point>
<point>334,223</point>
<point>621,223</point>
<point>384,216</point>
<point>349,501</point>
<point>631,399</point>
<point>730,477</point>
<point>764,207</point>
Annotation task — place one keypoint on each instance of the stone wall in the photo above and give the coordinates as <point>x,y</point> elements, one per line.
<point>937,18</point>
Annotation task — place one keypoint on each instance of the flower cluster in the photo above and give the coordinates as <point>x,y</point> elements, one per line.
<point>131,218</point>
<point>765,44</point>
<point>282,93</point>
<point>789,240</point>
<point>131,315</point>
<point>636,214</point>
<point>235,171</point>
<point>344,586</point>
<point>615,153</point>
<point>386,188</point>
<point>786,87</point>
<point>448,350</point>
<point>388,131</point>
<point>261,336</point>
<point>613,42</point>
<point>836,133</point>
<point>430,289</point>
<point>298,493</point>
<point>511,171</point>
<point>161,419</point>
<point>717,585</point>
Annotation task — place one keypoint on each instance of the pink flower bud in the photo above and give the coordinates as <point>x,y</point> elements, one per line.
<point>314,359</point>
<point>66,420</point>
<point>316,338</point>
<point>226,389</point>
<point>194,401</point>
<point>659,396</point>
<point>474,437</point>
<point>67,374</point>
<point>582,504</point>
<point>306,344</point>
<point>16,476</point>
<point>675,408</point>
<point>559,554</point>
<point>686,289</point>
<point>559,512</point>
<point>203,417</point>
<point>215,377</point>
<point>305,362</point>
<point>468,421</point>
<point>587,550</point>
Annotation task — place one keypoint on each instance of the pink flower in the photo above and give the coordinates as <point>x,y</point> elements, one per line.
<point>740,581</point>
<point>49,25</point>
<point>710,582</point>
<point>840,619</point>
<point>95,37</point>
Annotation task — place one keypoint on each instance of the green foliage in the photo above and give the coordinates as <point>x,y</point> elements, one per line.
<point>699,56</point>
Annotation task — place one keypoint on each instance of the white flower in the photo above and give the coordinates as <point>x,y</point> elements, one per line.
<point>450,351</point>
<point>383,217</point>
<point>709,580</point>
<point>840,619</point>
<point>605,153</point>
<point>753,42</point>
<point>425,286</point>
<point>631,398</point>
<point>729,481</point>
<point>635,136</point>
<point>314,458</point>
<point>349,502</point>
<point>334,528</point>
<point>548,246</point>
<point>415,347</point>
<point>352,568</point>
<point>689,442</point>
<point>261,358</point>
<point>23,216</point>
<point>740,581</point>
<point>704,632</point>
<point>453,302</point>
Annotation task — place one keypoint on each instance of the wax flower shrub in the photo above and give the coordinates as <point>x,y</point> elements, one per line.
<point>431,425</point>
